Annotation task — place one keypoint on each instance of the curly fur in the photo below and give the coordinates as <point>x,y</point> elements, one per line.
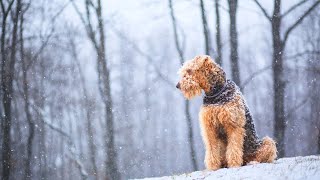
<point>223,126</point>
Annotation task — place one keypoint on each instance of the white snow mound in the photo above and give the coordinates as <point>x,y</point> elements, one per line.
<point>286,168</point>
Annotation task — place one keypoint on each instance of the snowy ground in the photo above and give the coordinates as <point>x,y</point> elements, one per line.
<point>287,168</point>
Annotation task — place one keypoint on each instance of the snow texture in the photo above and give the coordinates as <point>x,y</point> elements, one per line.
<point>286,168</point>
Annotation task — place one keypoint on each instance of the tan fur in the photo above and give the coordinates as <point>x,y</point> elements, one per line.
<point>194,76</point>
<point>227,115</point>
<point>266,153</point>
<point>199,74</point>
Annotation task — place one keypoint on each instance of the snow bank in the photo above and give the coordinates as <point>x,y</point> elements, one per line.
<point>286,168</point>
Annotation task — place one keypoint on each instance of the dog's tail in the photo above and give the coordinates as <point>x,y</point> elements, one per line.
<point>268,150</point>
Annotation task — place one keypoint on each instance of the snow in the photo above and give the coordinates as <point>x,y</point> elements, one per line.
<point>286,168</point>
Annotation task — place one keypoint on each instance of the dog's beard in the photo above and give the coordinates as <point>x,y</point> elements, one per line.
<point>190,89</point>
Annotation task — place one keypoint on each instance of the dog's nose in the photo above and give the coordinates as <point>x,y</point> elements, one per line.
<point>178,86</point>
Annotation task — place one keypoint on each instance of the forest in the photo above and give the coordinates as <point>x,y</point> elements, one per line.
<point>87,87</point>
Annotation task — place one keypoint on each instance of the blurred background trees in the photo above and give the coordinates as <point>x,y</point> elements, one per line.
<point>88,86</point>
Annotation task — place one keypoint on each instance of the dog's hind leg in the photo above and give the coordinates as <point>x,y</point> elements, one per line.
<point>267,152</point>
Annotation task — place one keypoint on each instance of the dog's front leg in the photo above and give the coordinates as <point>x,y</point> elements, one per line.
<point>235,138</point>
<point>210,138</point>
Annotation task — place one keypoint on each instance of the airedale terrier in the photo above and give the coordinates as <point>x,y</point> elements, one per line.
<point>226,124</point>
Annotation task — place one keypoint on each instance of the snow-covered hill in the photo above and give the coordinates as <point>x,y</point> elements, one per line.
<point>286,168</point>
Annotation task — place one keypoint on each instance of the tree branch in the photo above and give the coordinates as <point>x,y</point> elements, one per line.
<point>6,11</point>
<point>90,29</point>
<point>73,155</point>
<point>87,23</point>
<point>79,165</point>
<point>293,26</point>
<point>51,126</point>
<point>292,110</point>
<point>147,56</point>
<point>47,39</point>
<point>301,54</point>
<point>263,10</point>
<point>42,47</point>
<point>79,13</point>
<point>294,7</point>
<point>206,30</point>
<point>2,7</point>
<point>91,4</point>
<point>183,38</point>
<point>253,75</point>
<point>176,38</point>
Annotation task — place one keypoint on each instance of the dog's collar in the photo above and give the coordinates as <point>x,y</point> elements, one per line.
<point>216,91</point>
<point>221,94</point>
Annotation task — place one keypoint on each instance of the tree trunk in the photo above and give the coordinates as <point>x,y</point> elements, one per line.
<point>190,135</point>
<point>92,145</point>
<point>218,34</point>
<point>28,170</point>
<point>5,117</point>
<point>42,134</point>
<point>318,139</point>
<point>233,5</point>
<point>278,79</point>
<point>111,162</point>
<point>111,166</point>
<point>5,125</point>
<point>88,109</point>
<point>43,152</point>
<point>206,33</point>
<point>312,41</point>
<point>186,103</point>
<point>7,89</point>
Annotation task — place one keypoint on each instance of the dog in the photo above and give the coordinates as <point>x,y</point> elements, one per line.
<point>226,124</point>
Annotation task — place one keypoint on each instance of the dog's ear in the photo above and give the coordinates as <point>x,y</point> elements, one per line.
<point>203,59</point>
<point>207,60</point>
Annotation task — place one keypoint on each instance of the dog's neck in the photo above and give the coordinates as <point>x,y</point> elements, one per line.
<point>216,82</point>
<point>216,89</point>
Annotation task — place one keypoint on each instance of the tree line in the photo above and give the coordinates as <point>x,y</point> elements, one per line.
<point>87,100</point>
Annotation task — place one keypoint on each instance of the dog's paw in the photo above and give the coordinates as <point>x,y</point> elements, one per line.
<point>211,165</point>
<point>234,165</point>
<point>213,168</point>
<point>253,163</point>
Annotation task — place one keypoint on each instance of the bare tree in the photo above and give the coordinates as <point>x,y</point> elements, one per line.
<point>234,58</point>
<point>312,40</point>
<point>104,80</point>
<point>7,70</point>
<point>28,170</point>
<point>206,31</point>
<point>5,12</point>
<point>87,107</point>
<point>187,104</point>
<point>72,154</point>
<point>279,44</point>
<point>5,120</point>
<point>218,33</point>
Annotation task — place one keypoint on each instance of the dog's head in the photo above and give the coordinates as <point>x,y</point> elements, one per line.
<point>200,73</point>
